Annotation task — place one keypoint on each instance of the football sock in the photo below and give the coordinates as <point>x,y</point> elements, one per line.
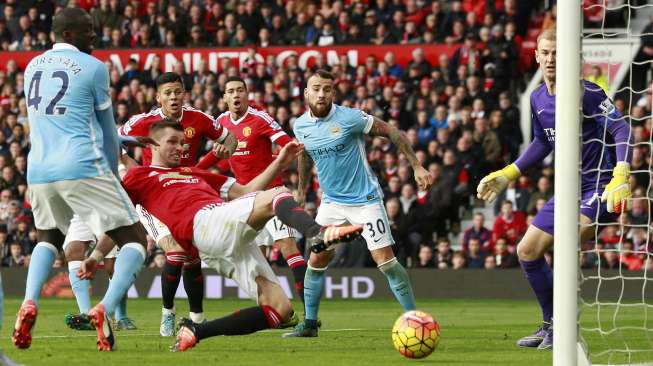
<point>243,321</point>
<point>399,283</point>
<point>170,277</point>
<point>121,309</point>
<point>540,277</point>
<point>128,263</point>
<point>38,272</point>
<point>194,285</point>
<point>297,265</point>
<point>313,288</point>
<point>80,287</point>
<point>291,214</point>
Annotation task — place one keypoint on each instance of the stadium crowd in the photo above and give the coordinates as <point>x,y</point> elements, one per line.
<point>459,113</point>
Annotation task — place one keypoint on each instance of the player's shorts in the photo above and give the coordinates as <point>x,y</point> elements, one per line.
<point>100,202</point>
<point>79,231</point>
<point>154,227</point>
<point>226,242</point>
<point>274,230</point>
<point>590,206</point>
<point>376,229</point>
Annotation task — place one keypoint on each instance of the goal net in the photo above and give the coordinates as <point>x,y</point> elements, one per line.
<point>615,322</point>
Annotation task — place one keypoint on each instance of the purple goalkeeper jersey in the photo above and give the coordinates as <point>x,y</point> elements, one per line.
<point>606,136</point>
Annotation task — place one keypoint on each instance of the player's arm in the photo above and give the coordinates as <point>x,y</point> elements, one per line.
<point>617,193</point>
<point>304,167</point>
<point>494,183</point>
<point>381,128</point>
<point>104,115</point>
<point>286,156</point>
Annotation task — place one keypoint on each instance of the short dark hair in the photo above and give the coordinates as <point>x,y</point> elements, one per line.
<point>324,74</point>
<point>165,123</point>
<point>68,19</point>
<point>168,77</point>
<point>236,79</point>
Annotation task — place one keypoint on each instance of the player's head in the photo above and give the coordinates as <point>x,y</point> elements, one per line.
<point>545,54</point>
<point>319,93</point>
<point>235,95</point>
<point>170,93</point>
<point>169,134</point>
<point>74,26</point>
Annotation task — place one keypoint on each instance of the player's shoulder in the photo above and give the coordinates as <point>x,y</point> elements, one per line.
<point>136,173</point>
<point>595,97</point>
<point>538,92</point>
<point>593,90</point>
<point>142,118</point>
<point>196,114</point>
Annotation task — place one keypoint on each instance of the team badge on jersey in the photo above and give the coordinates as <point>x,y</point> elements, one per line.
<point>186,169</point>
<point>189,132</point>
<point>247,131</point>
<point>335,130</point>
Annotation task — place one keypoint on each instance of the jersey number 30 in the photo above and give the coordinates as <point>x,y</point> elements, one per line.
<point>34,97</point>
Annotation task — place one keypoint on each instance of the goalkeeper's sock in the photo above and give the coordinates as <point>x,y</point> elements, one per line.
<point>80,287</point>
<point>194,286</point>
<point>38,272</point>
<point>243,321</point>
<point>313,288</point>
<point>170,277</point>
<point>540,277</point>
<point>297,265</point>
<point>128,263</point>
<point>291,214</point>
<point>399,283</point>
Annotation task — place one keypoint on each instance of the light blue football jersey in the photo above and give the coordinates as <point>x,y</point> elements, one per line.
<point>64,88</point>
<point>336,144</point>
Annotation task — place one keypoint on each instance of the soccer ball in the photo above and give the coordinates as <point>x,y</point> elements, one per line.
<point>416,334</point>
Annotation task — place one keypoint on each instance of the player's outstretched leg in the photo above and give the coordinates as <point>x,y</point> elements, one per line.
<point>397,277</point>
<point>194,286</point>
<point>274,307</point>
<point>38,272</point>
<point>295,262</point>
<point>531,256</point>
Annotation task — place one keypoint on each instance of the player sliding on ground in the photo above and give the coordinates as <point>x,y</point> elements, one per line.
<point>603,195</point>
<point>190,202</point>
<point>73,168</point>
<point>334,137</point>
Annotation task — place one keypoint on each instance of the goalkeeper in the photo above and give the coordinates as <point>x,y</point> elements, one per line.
<point>605,191</point>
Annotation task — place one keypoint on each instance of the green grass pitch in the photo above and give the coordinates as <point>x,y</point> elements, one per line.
<point>474,332</point>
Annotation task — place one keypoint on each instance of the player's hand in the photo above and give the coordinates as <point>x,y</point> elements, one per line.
<point>423,178</point>
<point>221,151</point>
<point>289,153</point>
<point>617,193</point>
<point>494,183</point>
<point>87,270</point>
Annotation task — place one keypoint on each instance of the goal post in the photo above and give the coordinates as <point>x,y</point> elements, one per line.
<point>567,182</point>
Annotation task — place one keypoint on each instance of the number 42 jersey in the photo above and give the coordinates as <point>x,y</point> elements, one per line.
<point>64,88</point>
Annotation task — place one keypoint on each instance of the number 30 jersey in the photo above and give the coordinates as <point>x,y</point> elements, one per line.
<point>64,88</point>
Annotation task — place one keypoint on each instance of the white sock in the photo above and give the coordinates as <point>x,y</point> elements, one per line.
<point>168,311</point>
<point>196,317</point>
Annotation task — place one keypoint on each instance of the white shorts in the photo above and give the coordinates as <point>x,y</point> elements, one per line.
<point>274,230</point>
<point>376,229</point>
<point>79,231</point>
<point>226,242</point>
<point>154,227</point>
<point>100,202</point>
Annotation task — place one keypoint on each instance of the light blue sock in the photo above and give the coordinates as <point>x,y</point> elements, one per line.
<point>399,283</point>
<point>313,287</point>
<point>128,263</point>
<point>121,309</point>
<point>80,287</point>
<point>38,272</point>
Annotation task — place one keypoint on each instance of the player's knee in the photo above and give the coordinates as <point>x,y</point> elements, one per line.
<point>287,246</point>
<point>320,260</point>
<point>169,244</point>
<point>526,251</point>
<point>74,251</point>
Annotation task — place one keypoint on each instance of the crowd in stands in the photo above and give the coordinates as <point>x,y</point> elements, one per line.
<point>459,113</point>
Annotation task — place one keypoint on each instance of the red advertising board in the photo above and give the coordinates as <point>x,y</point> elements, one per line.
<point>193,56</point>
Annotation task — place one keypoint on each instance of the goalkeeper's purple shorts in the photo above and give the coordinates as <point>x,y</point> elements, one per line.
<point>590,206</point>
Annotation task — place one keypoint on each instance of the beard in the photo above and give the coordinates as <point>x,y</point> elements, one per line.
<point>320,111</point>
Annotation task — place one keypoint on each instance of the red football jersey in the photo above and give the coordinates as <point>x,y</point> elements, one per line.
<point>174,195</point>
<point>196,123</point>
<point>255,131</point>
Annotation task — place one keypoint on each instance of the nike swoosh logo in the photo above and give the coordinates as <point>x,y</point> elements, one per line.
<point>307,136</point>
<point>377,240</point>
<point>540,111</point>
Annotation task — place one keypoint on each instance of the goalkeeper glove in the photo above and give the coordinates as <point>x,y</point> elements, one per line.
<point>617,193</point>
<point>494,183</point>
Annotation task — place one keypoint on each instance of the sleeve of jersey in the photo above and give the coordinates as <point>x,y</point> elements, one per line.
<point>101,96</point>
<point>537,150</point>
<point>597,104</point>
<point>361,121</point>
<point>216,131</point>
<point>208,161</point>
<point>273,131</point>
<point>136,126</point>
